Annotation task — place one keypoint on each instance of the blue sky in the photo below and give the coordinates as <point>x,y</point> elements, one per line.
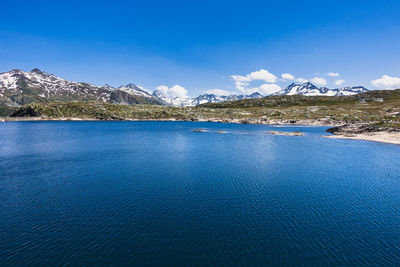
<point>200,45</point>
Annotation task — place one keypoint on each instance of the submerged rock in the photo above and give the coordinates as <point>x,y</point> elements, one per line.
<point>286,133</point>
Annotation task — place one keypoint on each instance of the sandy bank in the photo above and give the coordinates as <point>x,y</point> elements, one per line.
<point>384,137</point>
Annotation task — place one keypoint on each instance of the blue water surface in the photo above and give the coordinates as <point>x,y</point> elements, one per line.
<point>157,193</point>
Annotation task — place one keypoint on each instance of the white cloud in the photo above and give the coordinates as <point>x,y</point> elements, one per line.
<point>261,75</point>
<point>163,89</point>
<point>339,82</point>
<point>301,80</point>
<point>242,82</point>
<point>172,92</point>
<point>178,91</point>
<point>287,76</point>
<point>333,74</point>
<point>218,92</point>
<point>319,81</point>
<point>387,82</point>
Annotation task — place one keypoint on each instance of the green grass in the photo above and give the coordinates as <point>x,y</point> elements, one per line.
<point>363,108</point>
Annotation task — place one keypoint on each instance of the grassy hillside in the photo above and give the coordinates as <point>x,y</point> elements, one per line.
<point>377,107</point>
<point>6,110</point>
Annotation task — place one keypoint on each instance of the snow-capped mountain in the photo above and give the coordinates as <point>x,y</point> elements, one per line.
<point>135,90</point>
<point>211,98</point>
<point>310,89</point>
<point>207,98</point>
<point>350,90</point>
<point>175,101</point>
<point>307,89</point>
<point>18,87</point>
<point>201,99</point>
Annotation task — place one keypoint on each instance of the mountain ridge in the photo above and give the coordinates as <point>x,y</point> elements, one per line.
<point>18,88</point>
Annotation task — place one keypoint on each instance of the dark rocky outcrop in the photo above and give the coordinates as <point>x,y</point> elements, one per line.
<point>25,112</point>
<point>349,129</point>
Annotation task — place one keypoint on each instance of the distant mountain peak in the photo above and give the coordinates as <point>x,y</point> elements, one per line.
<point>310,89</point>
<point>38,71</point>
<point>108,86</point>
<point>309,85</point>
<point>15,71</point>
<point>255,95</point>
<point>293,84</point>
<point>131,86</point>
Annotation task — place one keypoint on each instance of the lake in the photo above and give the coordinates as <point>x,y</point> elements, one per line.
<point>157,193</point>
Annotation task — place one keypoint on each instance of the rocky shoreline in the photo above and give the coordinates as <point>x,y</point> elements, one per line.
<point>318,122</point>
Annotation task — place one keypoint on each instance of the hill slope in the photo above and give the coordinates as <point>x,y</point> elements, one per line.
<point>378,108</point>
